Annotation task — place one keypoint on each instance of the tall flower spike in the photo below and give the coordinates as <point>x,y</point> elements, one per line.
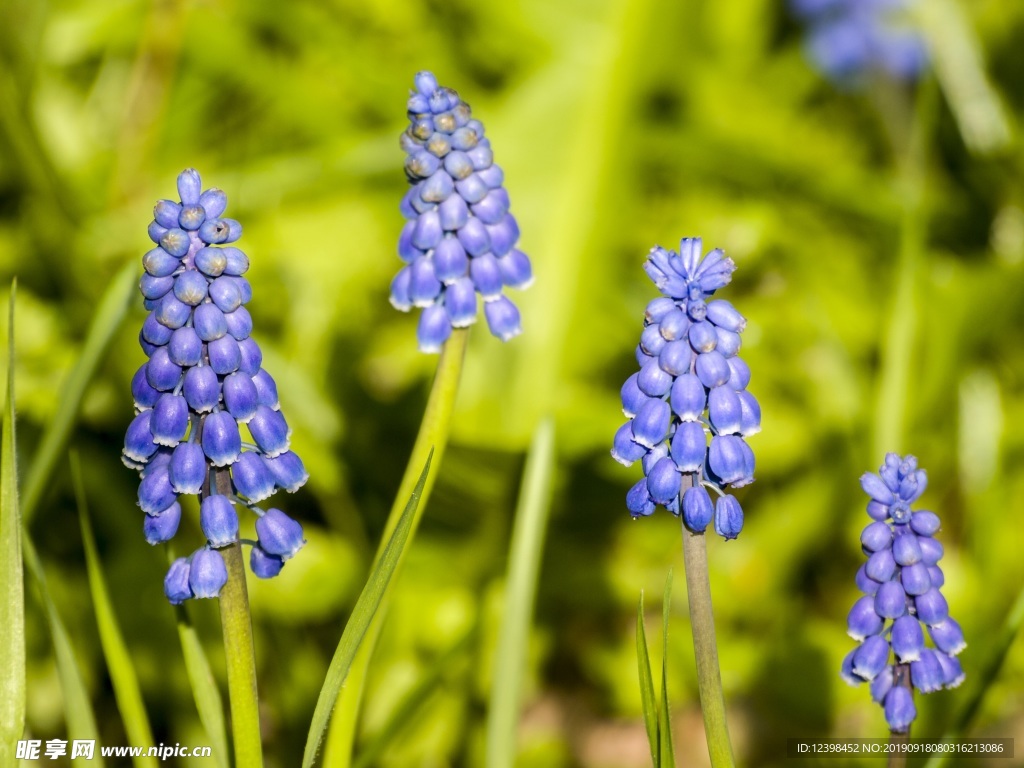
<point>200,387</point>
<point>848,39</point>
<point>691,386</point>
<point>902,602</point>
<point>460,238</point>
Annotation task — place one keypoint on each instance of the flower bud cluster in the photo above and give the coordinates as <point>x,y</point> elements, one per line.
<point>460,239</point>
<point>202,385</point>
<point>848,39</point>
<point>691,386</point>
<point>901,581</point>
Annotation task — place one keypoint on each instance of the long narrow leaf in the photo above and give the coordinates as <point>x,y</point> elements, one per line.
<point>104,325</point>
<point>647,700</point>
<point>355,630</point>
<point>520,590</point>
<point>668,757</point>
<point>81,723</point>
<point>12,584</point>
<point>119,660</point>
<point>412,702</point>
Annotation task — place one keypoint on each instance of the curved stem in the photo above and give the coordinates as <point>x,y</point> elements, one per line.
<point>702,625</point>
<point>433,434</point>
<point>239,650</point>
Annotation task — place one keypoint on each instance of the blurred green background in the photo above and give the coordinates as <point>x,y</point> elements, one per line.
<point>619,124</point>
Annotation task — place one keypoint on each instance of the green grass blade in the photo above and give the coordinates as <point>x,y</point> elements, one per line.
<point>119,660</point>
<point>355,630</point>
<point>12,584</point>
<point>520,590</point>
<point>77,707</point>
<point>668,757</point>
<point>104,325</point>
<point>649,703</point>
<point>412,702</point>
<point>207,696</point>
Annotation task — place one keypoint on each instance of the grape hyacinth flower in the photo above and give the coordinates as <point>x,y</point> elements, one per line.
<point>902,602</point>
<point>202,385</point>
<point>848,39</point>
<point>460,239</point>
<point>691,386</point>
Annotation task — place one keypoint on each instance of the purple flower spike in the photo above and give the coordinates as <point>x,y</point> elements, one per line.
<point>902,599</point>
<point>460,239</point>
<point>202,381</point>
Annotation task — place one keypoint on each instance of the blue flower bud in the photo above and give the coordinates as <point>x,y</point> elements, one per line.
<point>176,586</point>
<point>434,328</point>
<point>166,213</point>
<point>632,396</point>
<point>270,431</point>
<point>862,621</point>
<point>846,669</point>
<point>750,414</point>
<point>187,469</point>
<point>931,550</point>
<point>931,607</point>
<point>278,534</point>
<point>170,420</point>
<point>241,397</point>
<point>876,536</point>
<point>216,231</point>
<point>651,424</point>
<point>502,318</point>
<point>625,450</point>
<point>191,217</point>
<point>428,231</point>
<point>214,202</point>
<point>155,232</point>
<point>266,389</point>
<point>697,509</point>
<point>218,519</point>
<point>453,213</point>
<point>225,293</point>
<point>712,369</point>
<point>878,511</point>
<point>875,488</point>
<point>657,309</point>
<point>907,639</point>
<point>725,410</point>
<point>237,263</point>
<point>663,482</point>
<point>947,636</point>
<point>952,672</point>
<point>201,389</point>
<point>400,297</point>
<point>185,347</point>
<point>890,600</point>
<point>161,527</point>
<point>155,287</point>
<point>155,492</point>
<point>493,176</point>
<point>865,583</point>
<point>138,440</point>
<point>653,380</point>
<point>739,374</point>
<point>725,316</point>
<point>731,460</point>
<point>675,325</point>
<point>936,576</point>
<point>638,500</point>
<point>189,186</point>
<point>438,187</point>
<point>675,358</point>
<point>689,446</point>
<point>474,237</point>
<point>871,658</point>
<point>252,477</point>
<point>154,332</point>
<point>702,336</point>
<point>899,709</point>
<point>486,276</point>
<point>176,242</point>
<point>652,342</point>
<point>424,287</point>
<point>288,471</point>
<point>239,323</point>
<point>450,260</point>
<point>925,523</point>
<point>221,441</point>
<point>263,564</point>
<point>688,397</point>
<point>926,672</point>
<point>209,322</point>
<point>190,288</point>
<point>208,573</point>
<point>159,263</point>
<point>728,343</point>
<point>172,312</point>
<point>906,550</point>
<point>225,355</point>
<point>516,271</point>
<point>728,517</point>
<point>881,565</point>
<point>882,684</point>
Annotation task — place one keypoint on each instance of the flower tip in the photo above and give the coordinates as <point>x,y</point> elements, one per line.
<point>190,186</point>
<point>426,82</point>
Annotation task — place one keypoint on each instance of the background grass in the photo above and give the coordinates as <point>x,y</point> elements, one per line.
<point>619,125</point>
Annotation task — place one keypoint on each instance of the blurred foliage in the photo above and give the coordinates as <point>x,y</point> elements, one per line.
<point>619,125</point>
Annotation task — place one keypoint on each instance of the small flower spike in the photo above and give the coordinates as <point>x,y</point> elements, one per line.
<point>691,386</point>
<point>201,389</point>
<point>460,238</point>
<point>848,39</point>
<point>902,602</point>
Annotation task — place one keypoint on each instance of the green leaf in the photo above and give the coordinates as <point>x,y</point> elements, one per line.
<point>104,325</point>
<point>524,564</point>
<point>650,704</point>
<point>119,660</point>
<point>411,703</point>
<point>355,630</point>
<point>668,757</point>
<point>77,707</point>
<point>207,696</point>
<point>12,585</point>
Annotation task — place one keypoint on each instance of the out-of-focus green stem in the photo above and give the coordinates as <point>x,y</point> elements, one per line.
<point>433,434</point>
<point>702,625</point>
<point>239,651</point>
<point>901,324</point>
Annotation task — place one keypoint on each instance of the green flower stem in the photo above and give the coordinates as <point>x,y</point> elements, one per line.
<point>702,625</point>
<point>433,434</point>
<point>898,758</point>
<point>239,651</point>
